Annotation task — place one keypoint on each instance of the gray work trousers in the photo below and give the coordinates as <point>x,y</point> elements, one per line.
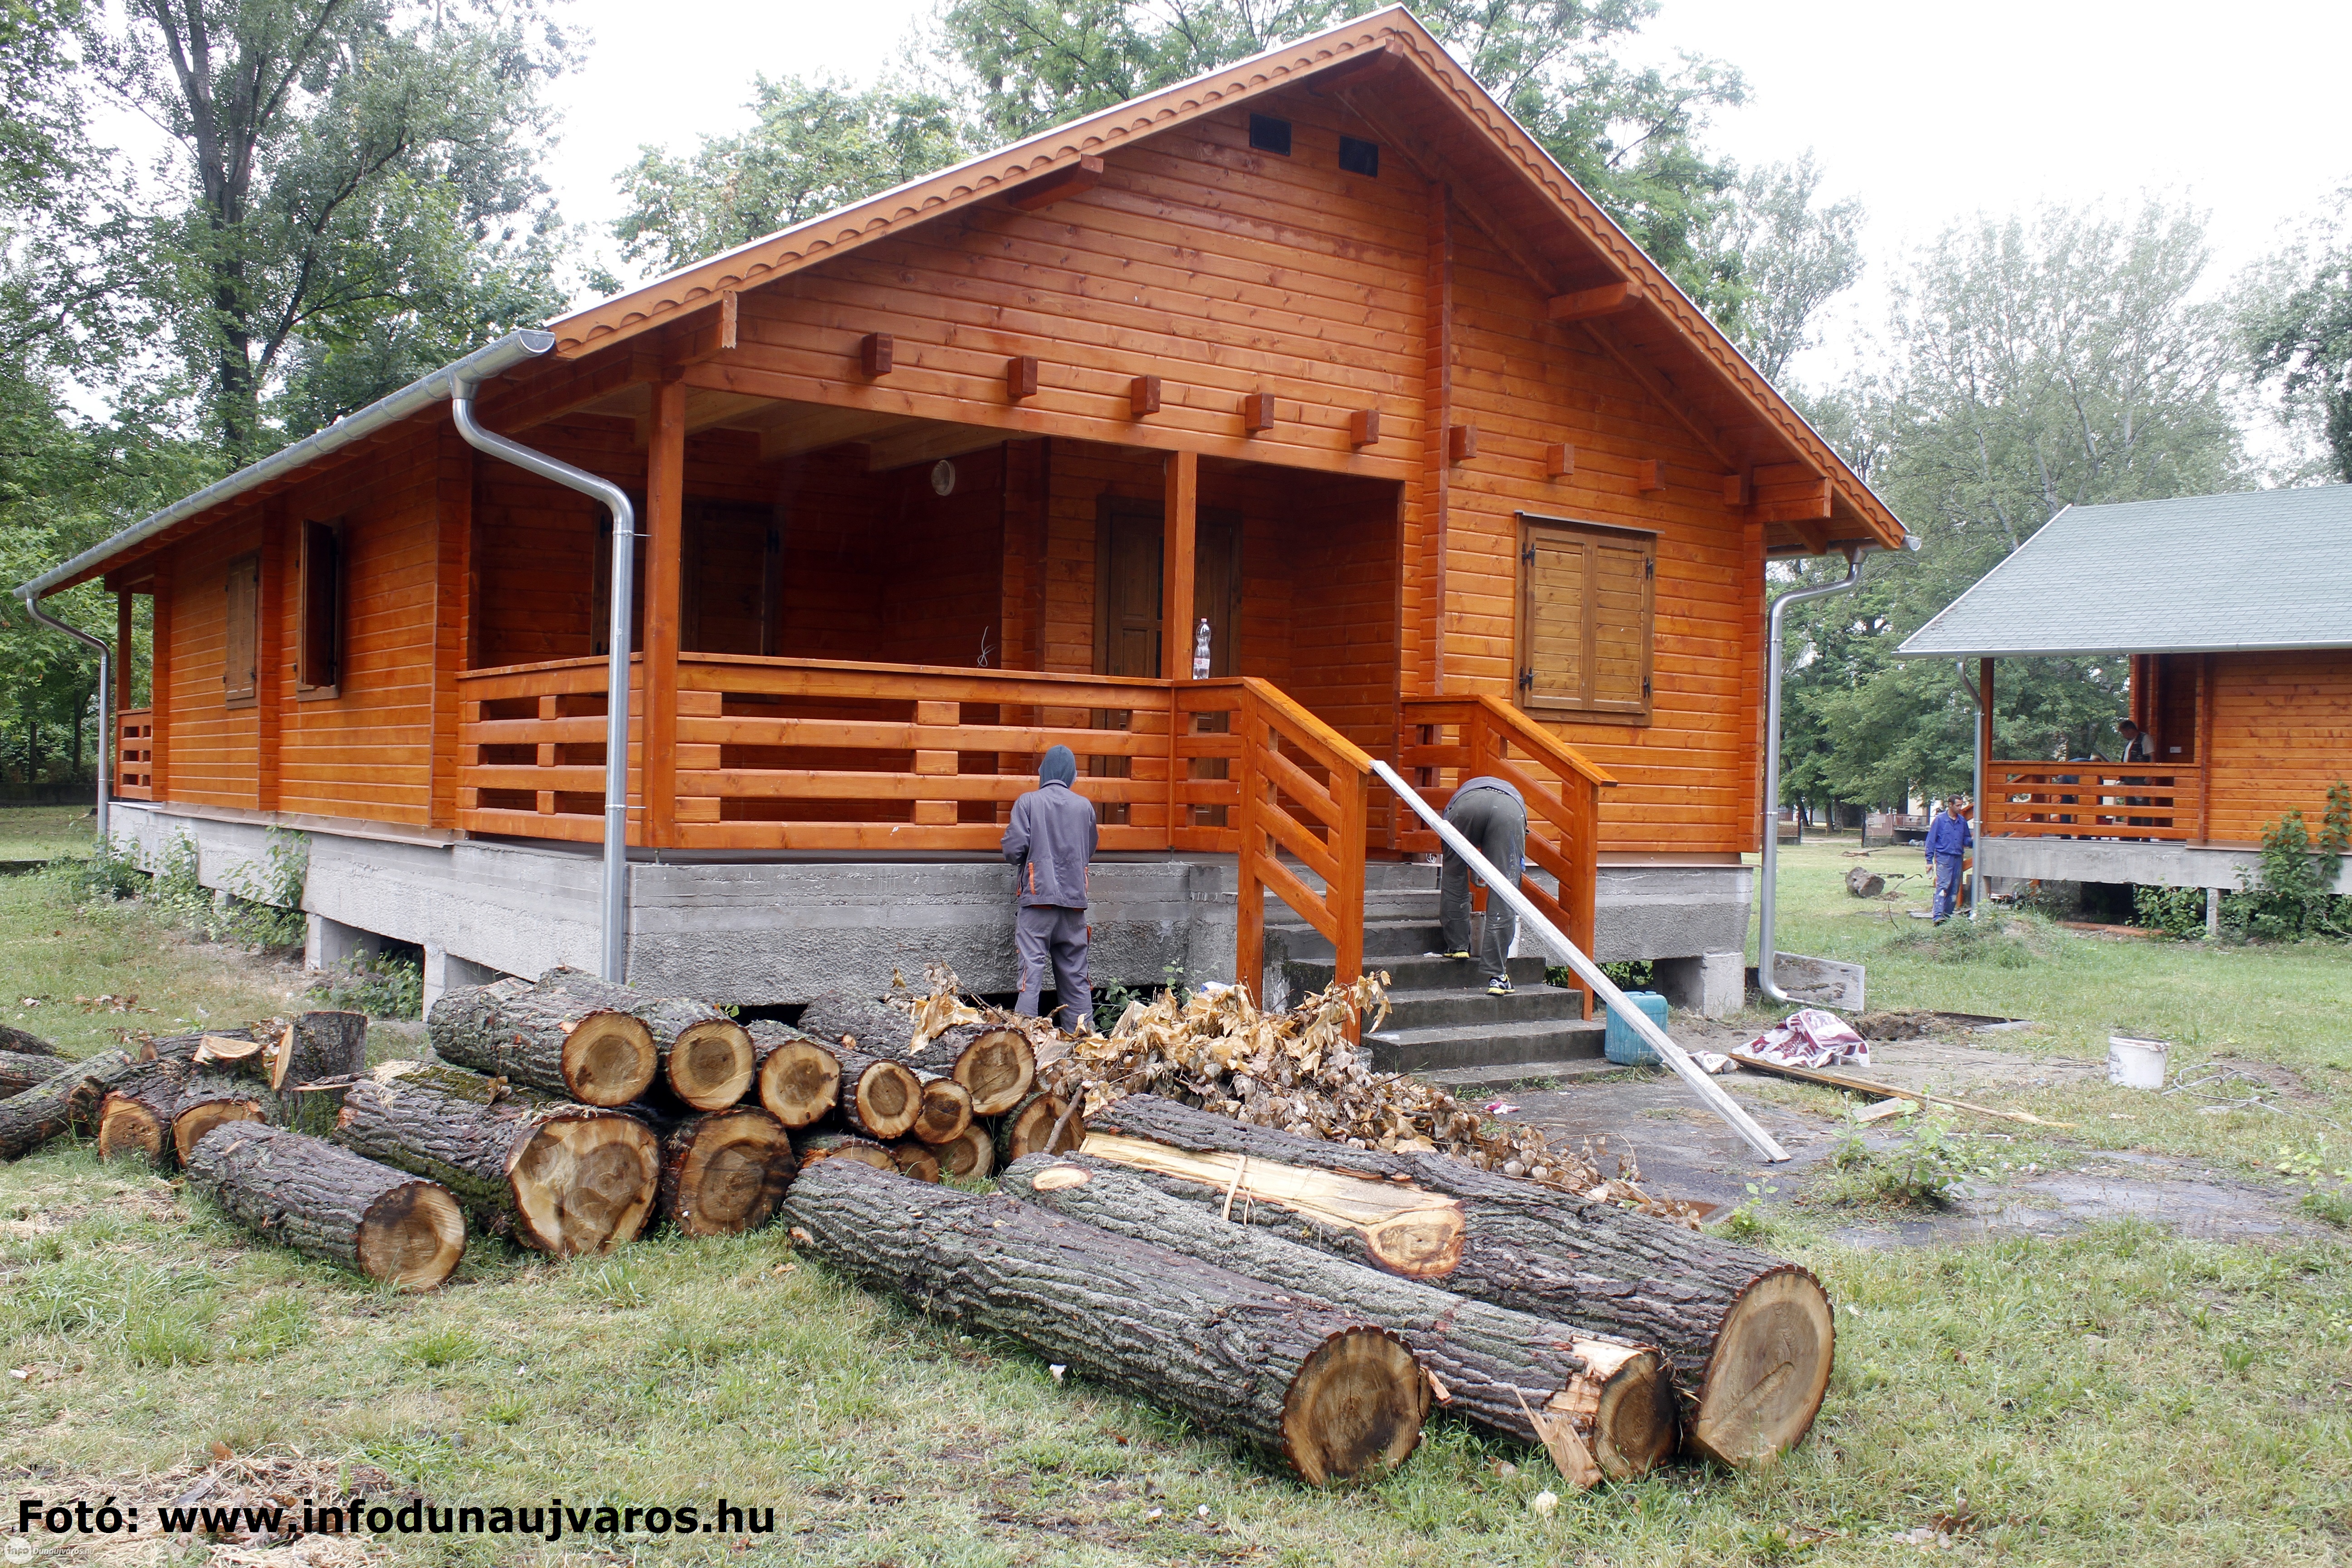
<point>1050,934</point>
<point>1496,825</point>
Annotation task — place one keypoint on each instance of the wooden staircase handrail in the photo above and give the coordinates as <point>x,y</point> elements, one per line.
<point>1561,758</point>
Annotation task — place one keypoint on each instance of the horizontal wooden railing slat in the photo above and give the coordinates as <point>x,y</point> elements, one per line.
<point>2090,800</point>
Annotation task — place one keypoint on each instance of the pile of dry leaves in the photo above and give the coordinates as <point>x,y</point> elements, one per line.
<point>1296,1070</point>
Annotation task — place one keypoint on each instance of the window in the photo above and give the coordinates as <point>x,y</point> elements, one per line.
<point>1585,598</point>
<point>1359,157</point>
<point>241,655</point>
<point>318,636</point>
<point>1268,134</point>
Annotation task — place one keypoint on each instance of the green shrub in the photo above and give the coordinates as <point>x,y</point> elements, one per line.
<point>381,985</point>
<point>2176,912</point>
<point>2288,896</point>
<point>1633,975</point>
<point>1922,1171</point>
<point>108,873</point>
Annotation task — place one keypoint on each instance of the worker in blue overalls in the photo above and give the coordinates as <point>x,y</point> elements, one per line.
<point>1949,839</point>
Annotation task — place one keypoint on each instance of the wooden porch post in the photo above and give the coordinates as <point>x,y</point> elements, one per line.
<point>159,683</point>
<point>1177,534</point>
<point>1984,744</point>
<point>270,657</point>
<point>123,632</point>
<point>2204,761</point>
<point>665,531</point>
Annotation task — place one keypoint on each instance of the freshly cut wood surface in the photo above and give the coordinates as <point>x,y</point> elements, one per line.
<point>1333,1397</point>
<point>917,1160</point>
<point>66,1100</point>
<point>331,1204</point>
<point>878,1096</point>
<point>547,1037</point>
<point>1028,1126</point>
<point>317,1045</point>
<point>135,1116</point>
<point>970,1156</point>
<point>20,1071</point>
<point>181,1047</point>
<point>211,1097</point>
<point>946,1109</point>
<point>711,1063</point>
<point>1496,1365</point>
<point>1748,1336</point>
<point>837,1145</point>
<point>563,1178</point>
<point>722,1172</point>
<point>993,1062</point>
<point>240,1052</point>
<point>797,1079</point>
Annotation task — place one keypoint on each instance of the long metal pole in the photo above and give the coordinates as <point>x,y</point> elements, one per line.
<point>1767,901</point>
<point>1672,1054</point>
<point>107,738</point>
<point>614,913</point>
<point>1983,745</point>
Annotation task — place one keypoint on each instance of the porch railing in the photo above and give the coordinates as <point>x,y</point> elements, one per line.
<point>1470,736</point>
<point>134,753</point>
<point>2090,800</point>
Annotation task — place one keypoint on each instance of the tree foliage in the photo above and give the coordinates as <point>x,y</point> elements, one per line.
<point>2297,319</point>
<point>2064,360</point>
<point>1780,256</point>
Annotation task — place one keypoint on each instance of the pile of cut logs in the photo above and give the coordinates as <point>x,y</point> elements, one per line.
<point>1310,1296</point>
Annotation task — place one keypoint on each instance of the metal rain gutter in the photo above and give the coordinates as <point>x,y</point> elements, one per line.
<point>490,360</point>
<point>1983,745</point>
<point>1672,1054</point>
<point>1766,901</point>
<point>613,904</point>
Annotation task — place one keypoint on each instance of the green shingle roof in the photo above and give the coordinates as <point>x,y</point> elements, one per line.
<point>2257,569</point>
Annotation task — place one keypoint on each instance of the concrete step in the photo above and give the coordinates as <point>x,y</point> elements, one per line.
<point>1453,1045</point>
<point>1422,972</point>
<point>1469,1009</point>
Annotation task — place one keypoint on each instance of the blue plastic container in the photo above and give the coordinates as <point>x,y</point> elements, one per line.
<point>1623,1044</point>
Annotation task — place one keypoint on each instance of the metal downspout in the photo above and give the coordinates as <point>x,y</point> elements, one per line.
<point>107,737</point>
<point>614,904</point>
<point>1976,796</point>
<point>1766,900</point>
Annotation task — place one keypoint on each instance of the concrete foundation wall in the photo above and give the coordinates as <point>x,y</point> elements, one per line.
<point>1670,911</point>
<point>2149,864</point>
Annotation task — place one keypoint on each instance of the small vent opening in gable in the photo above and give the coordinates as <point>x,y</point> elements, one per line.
<point>1268,134</point>
<point>1359,157</point>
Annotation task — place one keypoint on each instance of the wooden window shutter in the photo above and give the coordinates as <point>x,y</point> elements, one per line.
<point>318,634</point>
<point>241,655</point>
<point>1586,601</point>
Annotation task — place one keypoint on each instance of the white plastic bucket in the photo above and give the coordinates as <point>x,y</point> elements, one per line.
<point>2136,1064</point>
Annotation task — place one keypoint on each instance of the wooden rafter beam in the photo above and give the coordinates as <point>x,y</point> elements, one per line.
<point>1607,300</point>
<point>1667,395</point>
<point>1069,180</point>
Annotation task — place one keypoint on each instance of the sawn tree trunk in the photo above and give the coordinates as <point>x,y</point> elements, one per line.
<point>797,1079</point>
<point>64,1102</point>
<point>135,1116</point>
<point>707,1060</point>
<point>993,1062</point>
<point>723,1171</point>
<point>544,1037</point>
<point>331,1204</point>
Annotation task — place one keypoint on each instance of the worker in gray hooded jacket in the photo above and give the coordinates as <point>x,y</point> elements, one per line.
<point>1049,841</point>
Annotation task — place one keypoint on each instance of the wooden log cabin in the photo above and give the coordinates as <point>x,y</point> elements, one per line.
<point>1319,351</point>
<point>2241,673</point>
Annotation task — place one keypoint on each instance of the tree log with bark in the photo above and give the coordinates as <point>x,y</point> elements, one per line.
<point>1029,1126</point>
<point>182,1047</point>
<point>971,1157</point>
<point>65,1101</point>
<point>1749,1337</point>
<point>314,1062</point>
<point>880,1098</point>
<point>548,1038</point>
<point>562,1178</point>
<point>945,1112</point>
<point>918,1161</point>
<point>994,1062</point>
<point>707,1060</point>
<point>813,1147</point>
<point>797,1079</point>
<point>24,1043</point>
<point>212,1095</point>
<point>135,1116</point>
<point>1496,1365</point>
<point>20,1070</point>
<point>331,1204</point>
<point>723,1171</point>
<point>239,1055</point>
<point>1333,1396</point>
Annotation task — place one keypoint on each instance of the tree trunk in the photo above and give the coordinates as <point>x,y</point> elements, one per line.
<point>1332,1396</point>
<point>25,1044</point>
<point>1496,1365</point>
<point>135,1116</point>
<point>946,1109</point>
<point>797,1079</point>
<point>20,1071</point>
<point>331,1204</point>
<point>237,1053</point>
<point>211,1098</point>
<point>972,1157</point>
<point>818,1146</point>
<point>880,1098</point>
<point>1027,1127</point>
<point>1749,1337</point>
<point>995,1063</point>
<point>564,1179</point>
<point>706,1056</point>
<point>918,1161</point>
<point>183,1048</point>
<point>317,1045</point>
<point>65,1101</point>
<point>546,1037</point>
<point>723,1171</point>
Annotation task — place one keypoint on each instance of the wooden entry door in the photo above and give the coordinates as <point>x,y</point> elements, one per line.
<point>1129,546</point>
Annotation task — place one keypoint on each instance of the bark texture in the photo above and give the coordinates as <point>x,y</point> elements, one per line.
<point>723,1171</point>
<point>1029,1126</point>
<point>1748,1336</point>
<point>24,1043</point>
<point>65,1101</point>
<point>557,1036</point>
<point>874,1027</point>
<point>331,1204</point>
<point>182,1047</point>
<point>879,1096</point>
<point>561,1178</point>
<point>994,1064</point>
<point>135,1116</point>
<point>797,1079</point>
<point>1330,1395</point>
<point>20,1071</point>
<point>1496,1365</point>
<point>317,1045</point>
<point>211,1096</point>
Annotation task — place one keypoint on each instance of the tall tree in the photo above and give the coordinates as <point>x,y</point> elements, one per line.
<point>2064,360</point>
<point>2297,319</point>
<point>360,189</point>
<point>1780,254</point>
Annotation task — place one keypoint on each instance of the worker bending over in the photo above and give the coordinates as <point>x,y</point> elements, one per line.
<point>1490,814</point>
<point>1050,841</point>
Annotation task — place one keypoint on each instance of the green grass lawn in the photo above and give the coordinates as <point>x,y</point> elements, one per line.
<point>2118,1396</point>
<point>45,832</point>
